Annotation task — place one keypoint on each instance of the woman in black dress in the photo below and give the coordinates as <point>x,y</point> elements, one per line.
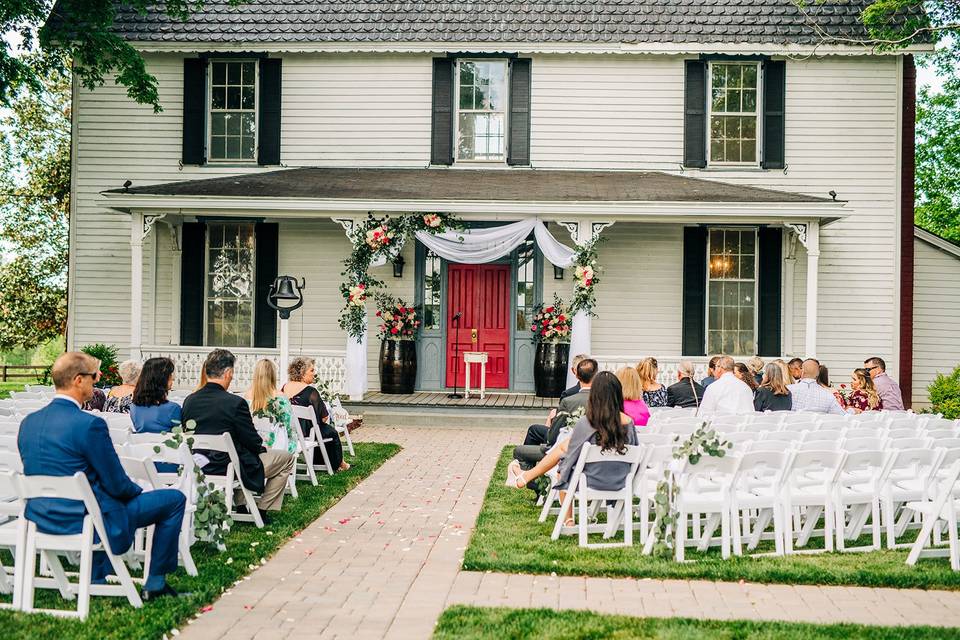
<point>302,372</point>
<point>773,394</point>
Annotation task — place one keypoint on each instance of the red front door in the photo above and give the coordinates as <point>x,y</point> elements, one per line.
<point>481,293</point>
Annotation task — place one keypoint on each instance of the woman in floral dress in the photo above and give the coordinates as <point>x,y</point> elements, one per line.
<point>267,402</point>
<point>864,396</point>
<point>654,393</point>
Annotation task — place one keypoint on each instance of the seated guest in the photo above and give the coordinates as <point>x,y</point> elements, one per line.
<point>604,424</point>
<point>888,389</point>
<point>772,394</point>
<point>118,398</point>
<point>685,392</point>
<point>728,394</point>
<point>150,410</point>
<point>711,370</point>
<point>744,373</point>
<point>60,440</point>
<point>864,396</point>
<point>577,359</point>
<point>796,369</point>
<point>302,373</point>
<point>755,364</point>
<point>787,376</point>
<point>98,399</point>
<point>654,393</point>
<point>216,411</point>
<point>808,395</point>
<point>540,437</point>
<point>203,380</point>
<point>266,402</point>
<point>633,404</point>
<point>823,379</point>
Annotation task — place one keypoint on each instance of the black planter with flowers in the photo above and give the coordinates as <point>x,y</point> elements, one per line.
<point>398,366</point>
<point>551,332</point>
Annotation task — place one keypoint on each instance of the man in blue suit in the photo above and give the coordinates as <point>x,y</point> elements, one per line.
<point>60,440</point>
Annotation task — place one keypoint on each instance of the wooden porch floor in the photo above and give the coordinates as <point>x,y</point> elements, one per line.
<point>440,399</point>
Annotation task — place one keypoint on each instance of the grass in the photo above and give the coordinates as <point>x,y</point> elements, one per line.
<point>247,546</point>
<point>509,539</point>
<point>7,387</point>
<point>475,623</point>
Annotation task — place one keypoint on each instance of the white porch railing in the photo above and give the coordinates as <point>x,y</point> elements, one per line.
<point>331,365</point>
<point>666,366</point>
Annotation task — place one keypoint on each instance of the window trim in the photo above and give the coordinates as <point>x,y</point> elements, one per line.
<point>756,288</point>
<point>208,112</point>
<point>206,278</point>
<point>712,164</point>
<point>506,111</point>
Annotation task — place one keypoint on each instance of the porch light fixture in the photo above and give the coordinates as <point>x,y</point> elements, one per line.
<point>285,296</point>
<point>398,267</point>
<point>557,272</point>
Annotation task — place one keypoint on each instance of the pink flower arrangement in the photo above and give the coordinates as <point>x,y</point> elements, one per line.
<point>399,321</point>
<point>551,323</point>
<point>432,220</point>
<point>358,295</point>
<point>379,237</point>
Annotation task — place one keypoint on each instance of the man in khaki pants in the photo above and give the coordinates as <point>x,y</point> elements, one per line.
<point>215,411</point>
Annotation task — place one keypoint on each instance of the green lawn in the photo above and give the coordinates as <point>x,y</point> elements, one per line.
<point>475,623</point>
<point>7,387</point>
<point>508,538</point>
<point>246,547</point>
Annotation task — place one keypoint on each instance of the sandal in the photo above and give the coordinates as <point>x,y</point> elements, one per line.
<point>515,475</point>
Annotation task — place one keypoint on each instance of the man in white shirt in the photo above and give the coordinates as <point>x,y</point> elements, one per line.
<point>727,394</point>
<point>808,395</point>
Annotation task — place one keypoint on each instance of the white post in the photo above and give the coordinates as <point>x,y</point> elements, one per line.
<point>581,328</point>
<point>175,231</point>
<point>789,282</point>
<point>813,262</point>
<point>136,283</point>
<point>284,349</point>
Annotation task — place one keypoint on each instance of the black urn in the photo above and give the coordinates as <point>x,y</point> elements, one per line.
<point>398,366</point>
<point>550,368</point>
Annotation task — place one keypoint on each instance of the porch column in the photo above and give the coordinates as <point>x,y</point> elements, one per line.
<point>177,252</point>
<point>355,362</point>
<point>137,234</point>
<point>789,282</point>
<point>812,243</point>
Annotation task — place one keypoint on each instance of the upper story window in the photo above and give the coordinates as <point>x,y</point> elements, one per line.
<point>231,248</point>
<point>734,113</point>
<point>233,110</point>
<point>481,110</point>
<point>732,291</point>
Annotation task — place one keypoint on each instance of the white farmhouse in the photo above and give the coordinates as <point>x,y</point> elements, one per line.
<point>751,172</point>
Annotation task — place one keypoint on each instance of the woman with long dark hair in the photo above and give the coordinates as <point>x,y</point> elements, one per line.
<point>150,410</point>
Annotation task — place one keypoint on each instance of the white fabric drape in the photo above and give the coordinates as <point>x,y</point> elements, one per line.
<point>478,246</point>
<point>580,341</point>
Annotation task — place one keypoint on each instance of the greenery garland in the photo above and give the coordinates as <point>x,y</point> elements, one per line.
<point>703,441</point>
<point>586,277</point>
<point>372,239</point>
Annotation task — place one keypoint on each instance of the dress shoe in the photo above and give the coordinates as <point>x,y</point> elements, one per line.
<point>146,595</point>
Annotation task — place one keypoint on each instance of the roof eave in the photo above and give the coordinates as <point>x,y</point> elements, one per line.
<point>937,241</point>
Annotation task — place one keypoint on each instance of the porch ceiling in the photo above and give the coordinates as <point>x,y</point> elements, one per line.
<point>471,190</point>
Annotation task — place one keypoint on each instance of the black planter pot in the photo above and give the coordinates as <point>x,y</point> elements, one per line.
<point>398,366</point>
<point>550,368</point>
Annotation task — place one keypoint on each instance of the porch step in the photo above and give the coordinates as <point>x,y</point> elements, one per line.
<point>496,411</point>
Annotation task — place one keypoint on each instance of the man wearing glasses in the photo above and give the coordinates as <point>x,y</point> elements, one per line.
<point>886,386</point>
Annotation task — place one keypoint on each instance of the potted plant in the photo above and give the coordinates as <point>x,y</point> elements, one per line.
<point>109,367</point>
<point>399,322</point>
<point>551,332</point>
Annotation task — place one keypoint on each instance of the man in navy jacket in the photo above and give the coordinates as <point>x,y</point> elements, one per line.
<point>60,440</point>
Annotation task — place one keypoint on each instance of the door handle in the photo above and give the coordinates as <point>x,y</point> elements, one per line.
<point>473,335</point>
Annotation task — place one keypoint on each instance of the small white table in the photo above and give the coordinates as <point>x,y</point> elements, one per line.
<point>475,357</point>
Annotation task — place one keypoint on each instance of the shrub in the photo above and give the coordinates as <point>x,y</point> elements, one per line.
<point>107,355</point>
<point>945,394</point>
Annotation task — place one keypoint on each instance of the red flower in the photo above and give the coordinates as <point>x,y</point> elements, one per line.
<point>549,309</point>
<point>561,318</point>
<point>378,314</point>
<point>393,331</point>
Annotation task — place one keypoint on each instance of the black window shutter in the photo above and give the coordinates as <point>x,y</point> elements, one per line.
<point>441,129</point>
<point>193,244</point>
<point>769,264</point>
<point>774,102</point>
<point>694,291</point>
<point>265,323</point>
<point>695,114</point>
<point>194,111</point>
<point>519,150</point>
<point>268,150</point>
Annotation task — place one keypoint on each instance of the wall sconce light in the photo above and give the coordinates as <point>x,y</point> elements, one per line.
<point>557,272</point>
<point>398,267</point>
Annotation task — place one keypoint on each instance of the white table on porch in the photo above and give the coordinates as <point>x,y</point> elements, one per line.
<point>475,357</point>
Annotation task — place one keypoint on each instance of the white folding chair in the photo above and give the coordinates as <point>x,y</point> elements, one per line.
<point>826,434</point>
<point>8,443</point>
<point>340,419</point>
<point>939,434</point>
<point>911,443</point>
<point>808,484</point>
<point>909,480</point>
<point>865,432</point>
<point>49,546</point>
<point>705,488</point>
<point>231,480</point>
<point>942,508</point>
<point>829,422</point>
<point>910,432</point>
<point>307,444</point>
<point>783,436</point>
<point>10,461</point>
<point>948,443</point>
<point>728,423</point>
<point>773,446</point>
<point>757,487</point>
<point>654,439</point>
<point>862,477</point>
<point>13,535</point>
<point>942,423</point>
<point>864,444</point>
<point>818,445</point>
<point>758,428</point>
<point>772,419</point>
<point>741,439</point>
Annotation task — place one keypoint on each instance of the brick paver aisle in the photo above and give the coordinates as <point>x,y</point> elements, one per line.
<point>385,562</point>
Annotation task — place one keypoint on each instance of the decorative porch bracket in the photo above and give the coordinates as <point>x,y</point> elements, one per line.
<point>808,233</point>
<point>582,232</point>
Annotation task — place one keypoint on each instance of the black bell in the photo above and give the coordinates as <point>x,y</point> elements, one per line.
<point>283,289</point>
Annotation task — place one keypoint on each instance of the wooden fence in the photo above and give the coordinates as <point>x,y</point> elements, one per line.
<point>21,372</point>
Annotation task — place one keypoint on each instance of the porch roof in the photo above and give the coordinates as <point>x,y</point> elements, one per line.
<point>321,189</point>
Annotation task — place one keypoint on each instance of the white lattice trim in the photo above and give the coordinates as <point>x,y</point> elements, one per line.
<point>331,365</point>
<point>666,369</point>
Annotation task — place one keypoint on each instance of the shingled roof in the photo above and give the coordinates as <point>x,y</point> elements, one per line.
<point>778,22</point>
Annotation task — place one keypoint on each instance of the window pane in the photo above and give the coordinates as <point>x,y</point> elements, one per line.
<point>218,148</point>
<point>714,342</point>
<point>750,76</point>
<point>233,73</point>
<point>219,73</point>
<point>246,100</point>
<point>218,97</point>
<point>719,99</point>
<point>218,124</point>
<point>716,151</point>
<point>466,97</point>
<point>719,75</point>
<point>233,97</point>
<point>749,100</point>
<point>481,136</point>
<point>246,148</point>
<point>748,151</point>
<point>748,128</point>
<point>248,73</point>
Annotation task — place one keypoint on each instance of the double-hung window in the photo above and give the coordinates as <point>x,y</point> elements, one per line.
<point>732,291</point>
<point>231,251</point>
<point>734,113</point>
<point>481,110</point>
<point>233,111</point>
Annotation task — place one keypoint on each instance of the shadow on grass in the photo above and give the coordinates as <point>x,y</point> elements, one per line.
<point>508,538</point>
<point>247,547</point>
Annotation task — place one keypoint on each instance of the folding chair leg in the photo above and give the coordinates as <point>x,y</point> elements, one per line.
<point>346,436</point>
<point>952,537</point>
<point>889,517</point>
<point>922,539</point>
<point>123,576</point>
<point>59,575</point>
<point>787,515</point>
<point>735,522</point>
<point>875,522</point>
<point>583,521</point>
<point>778,529</point>
<point>29,569</point>
<point>627,509</point>
<point>725,534</point>
<point>828,526</point>
<point>680,539</point>
<point>564,507</point>
<point>86,570</point>
<point>813,516</point>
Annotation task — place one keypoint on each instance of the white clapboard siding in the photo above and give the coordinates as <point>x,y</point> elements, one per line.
<point>936,316</point>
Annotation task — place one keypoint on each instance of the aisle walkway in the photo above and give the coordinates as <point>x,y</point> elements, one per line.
<point>385,562</point>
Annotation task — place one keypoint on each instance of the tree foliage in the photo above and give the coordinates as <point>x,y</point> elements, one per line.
<point>35,207</point>
<point>938,155</point>
<point>82,31</point>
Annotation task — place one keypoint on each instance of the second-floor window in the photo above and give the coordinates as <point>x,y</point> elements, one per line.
<point>233,110</point>
<point>734,113</point>
<point>481,110</point>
